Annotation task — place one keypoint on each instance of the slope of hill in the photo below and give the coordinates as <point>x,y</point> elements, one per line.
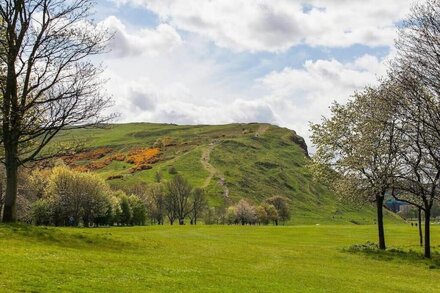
<point>234,161</point>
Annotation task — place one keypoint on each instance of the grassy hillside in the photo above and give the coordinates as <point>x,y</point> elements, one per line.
<point>253,161</point>
<point>211,259</point>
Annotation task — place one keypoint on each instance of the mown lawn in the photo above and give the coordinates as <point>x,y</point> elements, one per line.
<point>210,259</point>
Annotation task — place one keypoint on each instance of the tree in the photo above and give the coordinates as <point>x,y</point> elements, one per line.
<point>198,204</point>
<point>126,210</point>
<point>262,216</point>
<point>416,71</point>
<point>231,215</point>
<point>281,205</point>
<point>245,212</point>
<point>177,199</point>
<point>156,204</point>
<point>76,196</point>
<point>139,210</point>
<point>418,45</point>
<point>42,212</point>
<point>357,146</point>
<point>271,212</point>
<point>418,119</point>
<point>50,83</point>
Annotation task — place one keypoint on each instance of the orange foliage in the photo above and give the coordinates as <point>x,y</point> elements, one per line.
<point>140,157</point>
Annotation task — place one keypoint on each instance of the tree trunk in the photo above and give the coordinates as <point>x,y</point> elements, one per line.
<point>380,227</point>
<point>181,221</point>
<point>9,211</point>
<point>1,198</point>
<point>427,233</point>
<point>420,226</point>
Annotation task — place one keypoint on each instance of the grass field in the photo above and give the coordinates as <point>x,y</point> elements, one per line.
<point>210,259</point>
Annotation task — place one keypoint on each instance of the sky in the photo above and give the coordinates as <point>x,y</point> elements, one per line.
<point>222,61</point>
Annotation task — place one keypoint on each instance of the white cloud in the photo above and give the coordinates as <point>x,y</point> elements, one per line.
<point>291,97</point>
<point>142,100</point>
<point>166,78</point>
<point>141,42</point>
<point>276,25</point>
<point>300,96</point>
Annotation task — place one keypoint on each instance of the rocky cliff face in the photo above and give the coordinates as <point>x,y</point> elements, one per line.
<point>300,141</point>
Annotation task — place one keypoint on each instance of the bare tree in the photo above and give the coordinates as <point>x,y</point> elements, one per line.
<point>177,199</point>
<point>418,45</point>
<point>50,81</point>
<point>156,204</point>
<point>418,122</point>
<point>198,204</point>
<point>416,71</point>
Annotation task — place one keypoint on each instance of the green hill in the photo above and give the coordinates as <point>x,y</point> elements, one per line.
<point>234,161</point>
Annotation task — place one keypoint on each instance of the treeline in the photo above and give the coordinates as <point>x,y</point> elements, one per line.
<point>70,198</point>
<point>64,197</point>
<point>385,142</point>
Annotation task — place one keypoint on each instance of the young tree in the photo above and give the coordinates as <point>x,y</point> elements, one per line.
<point>262,216</point>
<point>357,145</point>
<point>271,212</point>
<point>177,199</point>
<point>198,205</point>
<point>231,215</point>
<point>281,205</point>
<point>50,83</point>
<point>245,212</point>
<point>139,210</point>
<point>95,198</point>
<point>126,210</point>
<point>157,204</point>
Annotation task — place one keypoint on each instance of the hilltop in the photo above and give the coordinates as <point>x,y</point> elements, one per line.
<point>234,161</point>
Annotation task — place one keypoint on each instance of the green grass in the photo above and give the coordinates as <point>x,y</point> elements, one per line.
<point>256,161</point>
<point>210,259</point>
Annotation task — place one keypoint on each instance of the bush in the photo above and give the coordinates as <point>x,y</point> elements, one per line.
<point>172,170</point>
<point>42,212</point>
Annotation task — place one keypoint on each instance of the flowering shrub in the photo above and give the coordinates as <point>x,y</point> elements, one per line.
<point>140,157</point>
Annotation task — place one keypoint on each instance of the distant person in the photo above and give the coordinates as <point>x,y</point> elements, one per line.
<point>71,221</point>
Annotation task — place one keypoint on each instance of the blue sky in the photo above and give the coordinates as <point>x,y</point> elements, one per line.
<point>223,61</point>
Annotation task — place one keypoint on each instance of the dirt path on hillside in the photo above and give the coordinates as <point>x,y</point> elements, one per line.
<point>205,162</point>
<point>212,170</point>
<point>261,130</point>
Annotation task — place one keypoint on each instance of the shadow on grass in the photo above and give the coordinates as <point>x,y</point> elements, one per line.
<point>372,250</point>
<point>71,238</point>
